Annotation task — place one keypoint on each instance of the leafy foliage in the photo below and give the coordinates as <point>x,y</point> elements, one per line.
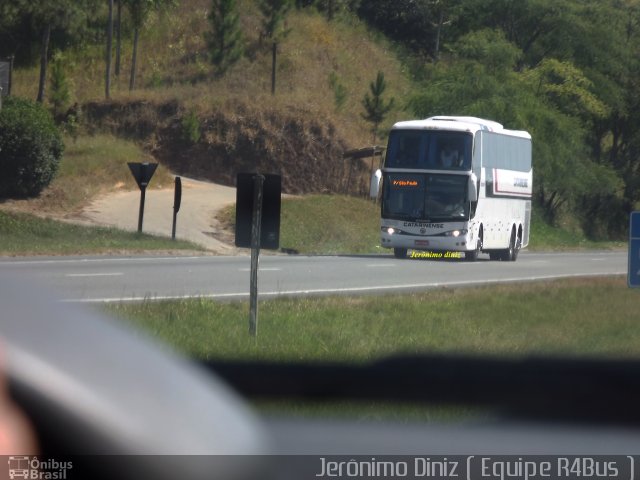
<point>274,28</point>
<point>376,108</point>
<point>483,80</point>
<point>139,10</point>
<point>565,71</point>
<point>225,40</point>
<point>60,95</point>
<point>339,91</point>
<point>31,147</point>
<point>190,128</point>
<point>274,13</point>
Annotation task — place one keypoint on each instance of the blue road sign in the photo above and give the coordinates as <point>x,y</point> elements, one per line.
<point>634,250</point>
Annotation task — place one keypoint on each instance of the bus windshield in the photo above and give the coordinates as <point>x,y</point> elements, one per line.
<point>429,149</point>
<point>425,197</point>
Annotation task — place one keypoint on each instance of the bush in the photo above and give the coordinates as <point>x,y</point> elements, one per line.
<point>30,148</point>
<point>190,128</point>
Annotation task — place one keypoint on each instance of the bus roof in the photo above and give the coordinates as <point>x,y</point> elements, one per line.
<point>465,124</point>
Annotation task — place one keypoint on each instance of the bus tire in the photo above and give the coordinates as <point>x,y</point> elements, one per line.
<point>516,247</point>
<point>400,252</point>
<point>511,253</point>
<point>472,255</point>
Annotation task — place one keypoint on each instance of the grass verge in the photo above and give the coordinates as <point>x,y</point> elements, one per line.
<point>323,224</point>
<point>93,165</point>
<point>23,234</point>
<point>547,237</point>
<point>581,317</point>
<point>331,224</point>
<point>565,317</point>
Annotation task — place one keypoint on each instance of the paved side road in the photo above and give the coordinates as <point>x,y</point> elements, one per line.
<point>196,218</point>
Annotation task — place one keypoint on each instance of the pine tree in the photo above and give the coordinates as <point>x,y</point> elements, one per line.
<point>225,40</point>
<point>374,105</point>
<point>274,13</point>
<point>139,10</point>
<point>60,95</point>
<point>107,74</point>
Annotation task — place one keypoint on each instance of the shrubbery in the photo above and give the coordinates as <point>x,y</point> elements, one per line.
<point>30,148</point>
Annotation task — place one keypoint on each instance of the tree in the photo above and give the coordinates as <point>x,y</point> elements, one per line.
<point>225,40</point>
<point>274,13</point>
<point>60,95</point>
<point>443,12</point>
<point>139,11</point>
<point>118,35</point>
<point>483,80</point>
<point>107,81</point>
<point>376,108</point>
<point>50,15</point>
<point>10,13</point>
<point>31,148</point>
<point>406,21</point>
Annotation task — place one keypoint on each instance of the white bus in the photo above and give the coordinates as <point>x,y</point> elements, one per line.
<point>456,184</point>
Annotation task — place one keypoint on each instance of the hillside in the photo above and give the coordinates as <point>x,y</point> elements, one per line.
<point>211,128</point>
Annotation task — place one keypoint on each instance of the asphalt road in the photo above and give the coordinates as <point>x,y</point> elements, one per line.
<point>114,279</point>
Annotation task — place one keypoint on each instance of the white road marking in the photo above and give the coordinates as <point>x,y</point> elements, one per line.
<point>460,283</point>
<point>98,260</point>
<point>112,274</point>
<point>261,269</point>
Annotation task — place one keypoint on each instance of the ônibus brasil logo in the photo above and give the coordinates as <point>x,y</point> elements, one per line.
<point>30,468</point>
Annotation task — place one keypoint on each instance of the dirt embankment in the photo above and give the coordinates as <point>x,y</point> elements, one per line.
<point>298,145</point>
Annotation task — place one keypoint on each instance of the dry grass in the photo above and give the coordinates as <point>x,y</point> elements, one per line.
<point>173,64</point>
<point>91,165</point>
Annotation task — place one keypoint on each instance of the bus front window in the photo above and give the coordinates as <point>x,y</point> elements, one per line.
<point>426,149</point>
<point>426,196</point>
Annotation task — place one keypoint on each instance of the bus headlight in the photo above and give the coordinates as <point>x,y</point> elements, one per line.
<point>456,233</point>
<point>391,230</point>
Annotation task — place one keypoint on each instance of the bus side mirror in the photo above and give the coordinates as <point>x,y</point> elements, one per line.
<point>473,188</point>
<point>374,189</point>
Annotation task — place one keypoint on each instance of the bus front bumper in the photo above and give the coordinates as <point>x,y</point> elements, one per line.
<point>431,243</point>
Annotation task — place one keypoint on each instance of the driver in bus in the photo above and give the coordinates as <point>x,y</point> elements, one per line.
<point>450,157</point>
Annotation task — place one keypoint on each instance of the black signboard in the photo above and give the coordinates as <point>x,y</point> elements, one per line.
<point>142,172</point>
<point>270,225</point>
<point>177,194</point>
<point>5,77</point>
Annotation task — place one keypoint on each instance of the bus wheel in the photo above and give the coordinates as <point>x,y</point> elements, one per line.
<point>495,256</point>
<point>472,255</point>
<point>516,247</point>
<point>511,253</point>
<point>400,252</point>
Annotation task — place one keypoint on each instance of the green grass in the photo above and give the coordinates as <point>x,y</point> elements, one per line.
<point>580,317</point>
<point>547,237</point>
<point>102,159</point>
<point>92,165</point>
<point>22,234</point>
<point>564,317</point>
<point>332,224</point>
<point>323,224</point>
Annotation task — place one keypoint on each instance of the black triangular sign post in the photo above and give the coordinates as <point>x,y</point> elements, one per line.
<point>142,172</point>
